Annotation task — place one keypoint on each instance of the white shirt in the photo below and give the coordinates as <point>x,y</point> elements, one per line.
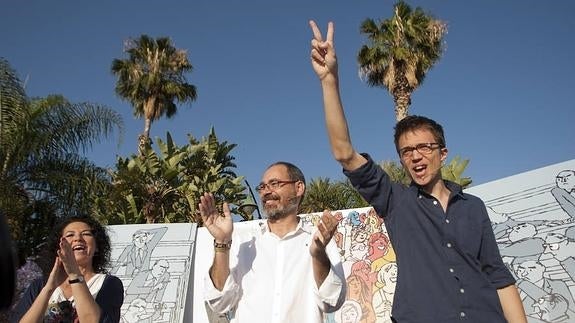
<point>272,280</point>
<point>94,285</point>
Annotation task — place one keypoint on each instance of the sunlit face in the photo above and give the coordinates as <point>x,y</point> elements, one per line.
<point>82,241</point>
<point>280,202</point>
<point>424,169</point>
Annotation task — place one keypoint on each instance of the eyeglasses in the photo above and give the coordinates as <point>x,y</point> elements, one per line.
<point>423,148</point>
<point>272,185</point>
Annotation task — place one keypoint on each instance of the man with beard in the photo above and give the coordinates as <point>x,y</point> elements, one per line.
<point>282,270</point>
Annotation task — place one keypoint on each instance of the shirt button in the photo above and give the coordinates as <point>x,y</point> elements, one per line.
<point>446,220</point>
<point>448,245</point>
<point>419,196</point>
<point>462,314</point>
<point>434,202</point>
<point>462,290</point>
<point>451,270</point>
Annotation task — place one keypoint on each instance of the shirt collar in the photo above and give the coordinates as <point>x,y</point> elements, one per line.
<point>265,229</point>
<point>455,189</point>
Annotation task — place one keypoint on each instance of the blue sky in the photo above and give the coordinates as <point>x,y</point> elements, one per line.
<point>503,89</point>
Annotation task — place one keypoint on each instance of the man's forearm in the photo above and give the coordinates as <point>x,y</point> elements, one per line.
<point>321,266</point>
<point>220,269</point>
<point>511,304</point>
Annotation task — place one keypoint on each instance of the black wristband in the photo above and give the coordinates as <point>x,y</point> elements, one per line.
<point>79,279</point>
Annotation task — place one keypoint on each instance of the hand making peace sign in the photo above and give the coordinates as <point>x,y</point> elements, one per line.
<point>323,57</point>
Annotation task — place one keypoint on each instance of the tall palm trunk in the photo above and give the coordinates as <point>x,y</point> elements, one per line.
<point>401,96</point>
<point>144,138</point>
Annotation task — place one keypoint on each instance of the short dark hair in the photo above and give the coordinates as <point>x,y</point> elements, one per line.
<point>412,123</point>
<point>294,173</point>
<point>101,258</point>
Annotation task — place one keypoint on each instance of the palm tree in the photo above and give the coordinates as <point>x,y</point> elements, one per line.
<point>400,52</point>
<point>152,79</point>
<point>453,171</point>
<point>42,173</point>
<point>396,172</point>
<point>323,194</point>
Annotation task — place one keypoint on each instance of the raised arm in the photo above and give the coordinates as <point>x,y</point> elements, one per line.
<point>324,63</point>
<point>221,228</point>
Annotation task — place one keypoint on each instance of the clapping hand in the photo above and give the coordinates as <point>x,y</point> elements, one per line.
<point>219,225</point>
<point>64,265</point>
<point>326,228</point>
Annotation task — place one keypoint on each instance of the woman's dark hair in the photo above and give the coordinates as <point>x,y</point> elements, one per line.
<point>101,258</point>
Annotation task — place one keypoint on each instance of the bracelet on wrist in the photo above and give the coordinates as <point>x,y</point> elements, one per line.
<point>222,247</point>
<point>78,279</point>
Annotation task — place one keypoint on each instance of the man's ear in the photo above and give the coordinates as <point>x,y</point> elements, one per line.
<point>443,153</point>
<point>300,188</point>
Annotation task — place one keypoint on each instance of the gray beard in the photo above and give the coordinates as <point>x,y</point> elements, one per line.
<point>282,211</point>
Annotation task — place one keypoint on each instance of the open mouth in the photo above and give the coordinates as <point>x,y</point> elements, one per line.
<point>419,170</point>
<point>79,248</point>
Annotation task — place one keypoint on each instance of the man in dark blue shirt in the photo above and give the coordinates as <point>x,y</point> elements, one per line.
<point>449,266</point>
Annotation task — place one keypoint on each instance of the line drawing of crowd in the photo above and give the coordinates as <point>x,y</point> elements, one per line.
<point>539,250</point>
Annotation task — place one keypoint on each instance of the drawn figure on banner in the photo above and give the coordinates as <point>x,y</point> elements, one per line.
<point>150,284</point>
<point>551,308</point>
<point>359,291</point>
<point>138,312</point>
<point>523,244</point>
<point>373,221</point>
<point>380,251</point>
<point>354,218</point>
<point>136,257</point>
<point>355,243</point>
<point>350,312</point>
<point>564,192</point>
<point>535,287</point>
<point>378,255</point>
<point>383,295</point>
<point>562,248</point>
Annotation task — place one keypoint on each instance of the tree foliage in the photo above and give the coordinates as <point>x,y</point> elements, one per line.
<point>43,174</point>
<point>452,171</point>
<point>323,194</point>
<point>153,79</point>
<point>400,51</point>
<point>166,186</point>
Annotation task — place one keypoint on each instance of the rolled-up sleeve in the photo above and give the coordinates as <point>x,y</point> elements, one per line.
<point>331,293</point>
<point>491,263</point>
<point>221,301</point>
